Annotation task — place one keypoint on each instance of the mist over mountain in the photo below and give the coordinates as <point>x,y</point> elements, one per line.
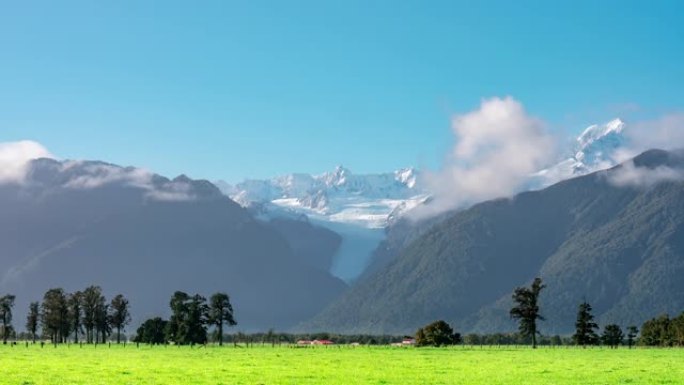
<point>617,244</point>
<point>357,207</point>
<point>376,214</point>
<point>72,224</point>
<point>284,247</point>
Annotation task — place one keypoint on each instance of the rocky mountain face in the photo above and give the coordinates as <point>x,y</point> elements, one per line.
<point>336,196</point>
<point>72,224</point>
<point>614,237</point>
<point>368,211</point>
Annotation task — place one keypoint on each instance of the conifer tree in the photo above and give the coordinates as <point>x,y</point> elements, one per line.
<point>527,309</point>
<point>612,336</point>
<point>585,326</point>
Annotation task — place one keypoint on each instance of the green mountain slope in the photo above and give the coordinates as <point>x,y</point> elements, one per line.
<point>621,248</point>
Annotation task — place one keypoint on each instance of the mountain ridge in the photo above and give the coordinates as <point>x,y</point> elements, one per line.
<point>464,268</point>
<point>72,224</point>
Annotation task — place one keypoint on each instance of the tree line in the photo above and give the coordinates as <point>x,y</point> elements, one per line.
<point>191,316</point>
<point>85,316</point>
<point>660,331</point>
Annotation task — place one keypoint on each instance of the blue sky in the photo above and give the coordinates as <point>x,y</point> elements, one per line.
<point>235,89</point>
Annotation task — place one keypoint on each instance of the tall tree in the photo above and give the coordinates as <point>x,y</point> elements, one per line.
<point>632,333</point>
<point>526,310</point>
<point>152,331</point>
<point>188,319</point>
<point>55,315</point>
<point>103,326</point>
<point>92,300</point>
<point>119,315</point>
<point>32,320</point>
<point>75,303</point>
<point>221,312</point>
<point>197,320</point>
<point>612,336</point>
<point>585,327</point>
<point>6,305</point>
<point>176,329</point>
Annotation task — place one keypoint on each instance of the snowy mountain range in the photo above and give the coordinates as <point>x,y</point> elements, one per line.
<point>337,196</point>
<point>371,200</point>
<point>360,206</point>
<point>595,149</point>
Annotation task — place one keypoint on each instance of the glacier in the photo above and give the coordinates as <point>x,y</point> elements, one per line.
<point>360,207</point>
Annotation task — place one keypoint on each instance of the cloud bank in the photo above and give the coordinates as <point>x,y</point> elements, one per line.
<point>498,146</point>
<point>91,175</point>
<point>630,175</point>
<point>664,133</point>
<point>15,158</point>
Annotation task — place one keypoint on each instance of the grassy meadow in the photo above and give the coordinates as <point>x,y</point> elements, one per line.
<point>336,365</point>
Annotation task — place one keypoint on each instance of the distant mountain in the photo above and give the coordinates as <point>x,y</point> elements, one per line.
<point>363,209</point>
<point>71,224</point>
<point>614,237</point>
<point>357,207</point>
<point>337,196</point>
<point>595,149</point>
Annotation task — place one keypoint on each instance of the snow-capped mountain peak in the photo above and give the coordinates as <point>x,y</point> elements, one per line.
<point>406,176</point>
<point>596,145</point>
<point>594,149</point>
<point>597,132</point>
<point>338,177</point>
<point>338,195</point>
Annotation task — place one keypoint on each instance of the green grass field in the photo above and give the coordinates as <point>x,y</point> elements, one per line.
<point>336,365</point>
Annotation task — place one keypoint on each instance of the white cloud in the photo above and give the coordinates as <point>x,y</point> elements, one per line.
<point>665,133</point>
<point>172,192</point>
<point>15,158</point>
<point>98,175</point>
<point>94,175</point>
<point>630,175</point>
<point>498,146</point>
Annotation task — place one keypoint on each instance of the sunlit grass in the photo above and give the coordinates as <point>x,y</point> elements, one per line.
<point>336,365</point>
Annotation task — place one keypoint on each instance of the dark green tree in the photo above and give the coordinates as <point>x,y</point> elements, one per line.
<point>119,315</point>
<point>75,303</point>
<point>189,318</point>
<point>632,333</point>
<point>197,320</point>
<point>177,325</point>
<point>220,313</point>
<point>33,319</point>
<point>612,336</point>
<point>6,305</point>
<point>585,326</point>
<point>438,333</point>
<point>55,315</point>
<point>92,301</point>
<point>677,330</point>
<point>152,331</point>
<point>656,332</point>
<point>526,310</point>
<point>103,324</point>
